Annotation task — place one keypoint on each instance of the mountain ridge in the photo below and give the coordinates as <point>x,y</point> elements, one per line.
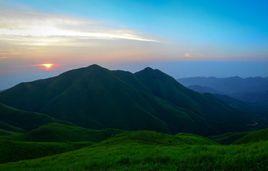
<point>96,97</point>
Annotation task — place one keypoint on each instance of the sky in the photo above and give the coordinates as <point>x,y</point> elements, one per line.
<point>181,37</point>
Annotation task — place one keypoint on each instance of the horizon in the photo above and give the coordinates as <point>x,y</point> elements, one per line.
<point>193,38</point>
<point>59,72</point>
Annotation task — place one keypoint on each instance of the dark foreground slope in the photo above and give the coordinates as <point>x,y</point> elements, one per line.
<point>96,97</point>
<point>56,132</point>
<point>154,151</point>
<point>18,120</point>
<point>11,151</point>
<point>242,137</point>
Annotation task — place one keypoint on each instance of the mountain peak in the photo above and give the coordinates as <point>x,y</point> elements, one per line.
<point>95,66</point>
<point>148,69</point>
<point>152,72</point>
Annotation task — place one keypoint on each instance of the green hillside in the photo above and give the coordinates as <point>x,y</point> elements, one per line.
<point>11,151</point>
<point>253,136</point>
<point>155,138</point>
<point>17,120</point>
<point>8,127</point>
<point>242,137</point>
<point>202,108</point>
<point>229,138</point>
<point>62,132</point>
<point>143,150</point>
<point>98,98</point>
<point>4,132</point>
<point>49,139</point>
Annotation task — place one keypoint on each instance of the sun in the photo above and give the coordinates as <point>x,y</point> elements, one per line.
<point>47,66</point>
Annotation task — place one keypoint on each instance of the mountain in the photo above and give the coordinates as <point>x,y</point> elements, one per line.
<point>96,97</point>
<point>249,94</point>
<point>251,90</point>
<point>202,89</point>
<point>204,108</point>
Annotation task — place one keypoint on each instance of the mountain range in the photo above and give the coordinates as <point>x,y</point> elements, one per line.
<point>250,90</point>
<point>95,97</point>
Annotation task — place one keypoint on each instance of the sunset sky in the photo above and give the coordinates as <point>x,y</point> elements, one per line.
<point>184,38</point>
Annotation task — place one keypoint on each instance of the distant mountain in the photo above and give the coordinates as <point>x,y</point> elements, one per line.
<point>203,89</point>
<point>252,89</point>
<point>96,97</point>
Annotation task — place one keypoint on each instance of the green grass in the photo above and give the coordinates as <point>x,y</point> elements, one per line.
<point>8,127</point>
<point>242,137</point>
<point>11,151</point>
<point>63,132</point>
<point>155,138</point>
<point>10,135</point>
<point>228,138</point>
<point>49,139</point>
<point>18,120</point>
<point>254,136</point>
<point>5,132</point>
<point>144,150</point>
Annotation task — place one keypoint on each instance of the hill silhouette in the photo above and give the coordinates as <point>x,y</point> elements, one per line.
<point>96,97</point>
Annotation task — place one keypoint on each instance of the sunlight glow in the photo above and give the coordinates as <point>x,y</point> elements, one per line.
<point>46,66</point>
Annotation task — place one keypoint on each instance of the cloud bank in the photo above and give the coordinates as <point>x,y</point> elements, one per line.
<point>23,27</point>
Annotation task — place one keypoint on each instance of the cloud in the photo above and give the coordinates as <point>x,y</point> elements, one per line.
<point>28,27</point>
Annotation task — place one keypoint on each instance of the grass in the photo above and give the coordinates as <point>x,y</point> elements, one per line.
<point>254,136</point>
<point>49,139</point>
<point>17,120</point>
<point>145,150</point>
<point>155,138</point>
<point>5,132</point>
<point>229,138</point>
<point>242,137</point>
<point>63,132</point>
<point>11,151</point>
<point>8,127</point>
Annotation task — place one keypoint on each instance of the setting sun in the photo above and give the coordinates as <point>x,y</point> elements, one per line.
<point>47,66</point>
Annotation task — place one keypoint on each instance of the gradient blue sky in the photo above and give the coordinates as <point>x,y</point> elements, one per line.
<point>183,38</point>
<point>238,25</point>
